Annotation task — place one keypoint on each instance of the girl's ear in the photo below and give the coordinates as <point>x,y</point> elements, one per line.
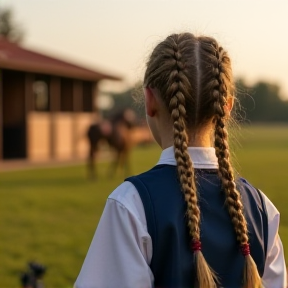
<point>229,105</point>
<point>150,101</point>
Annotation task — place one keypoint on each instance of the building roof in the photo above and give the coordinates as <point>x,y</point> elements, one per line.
<point>15,57</point>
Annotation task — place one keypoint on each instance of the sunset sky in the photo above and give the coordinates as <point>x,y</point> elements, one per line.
<point>116,36</point>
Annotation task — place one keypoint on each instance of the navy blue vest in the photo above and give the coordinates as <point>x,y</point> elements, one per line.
<point>172,261</point>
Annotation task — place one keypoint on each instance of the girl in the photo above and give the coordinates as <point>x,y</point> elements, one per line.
<point>187,222</point>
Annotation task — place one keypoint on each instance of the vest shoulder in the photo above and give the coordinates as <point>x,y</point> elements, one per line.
<point>246,187</point>
<point>251,193</point>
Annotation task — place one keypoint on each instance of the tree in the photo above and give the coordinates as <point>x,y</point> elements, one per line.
<point>261,102</point>
<point>8,28</point>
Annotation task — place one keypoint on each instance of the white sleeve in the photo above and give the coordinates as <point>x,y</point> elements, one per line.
<point>275,275</point>
<point>121,250</point>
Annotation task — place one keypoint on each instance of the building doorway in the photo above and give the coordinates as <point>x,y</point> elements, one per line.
<point>14,115</point>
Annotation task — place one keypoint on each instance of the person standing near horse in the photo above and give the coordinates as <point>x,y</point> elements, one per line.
<point>187,222</point>
<point>116,132</point>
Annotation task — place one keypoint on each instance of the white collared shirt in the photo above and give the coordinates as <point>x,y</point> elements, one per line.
<point>121,249</point>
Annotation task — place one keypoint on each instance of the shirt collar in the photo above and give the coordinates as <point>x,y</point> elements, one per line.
<point>202,157</point>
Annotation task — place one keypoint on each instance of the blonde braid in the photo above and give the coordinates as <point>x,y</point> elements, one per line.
<point>233,198</point>
<point>177,91</point>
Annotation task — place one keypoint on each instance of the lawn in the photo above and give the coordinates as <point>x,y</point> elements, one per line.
<point>50,215</point>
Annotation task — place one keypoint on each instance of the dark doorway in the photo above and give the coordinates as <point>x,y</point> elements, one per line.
<point>66,103</point>
<point>14,120</point>
<point>87,96</point>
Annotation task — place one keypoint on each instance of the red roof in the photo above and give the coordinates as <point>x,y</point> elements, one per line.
<point>14,57</point>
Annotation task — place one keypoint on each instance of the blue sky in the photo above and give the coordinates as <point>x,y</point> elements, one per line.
<point>117,35</point>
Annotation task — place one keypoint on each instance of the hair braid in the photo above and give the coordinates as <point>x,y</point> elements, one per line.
<point>177,92</point>
<point>220,61</point>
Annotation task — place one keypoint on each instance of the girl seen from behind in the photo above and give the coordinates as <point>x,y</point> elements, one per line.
<point>187,222</point>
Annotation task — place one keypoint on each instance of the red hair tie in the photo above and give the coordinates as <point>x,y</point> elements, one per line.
<point>245,249</point>
<point>196,245</point>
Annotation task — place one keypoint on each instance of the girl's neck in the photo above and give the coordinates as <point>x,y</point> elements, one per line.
<point>201,139</point>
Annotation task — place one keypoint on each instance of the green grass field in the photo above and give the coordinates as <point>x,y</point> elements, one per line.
<point>50,215</point>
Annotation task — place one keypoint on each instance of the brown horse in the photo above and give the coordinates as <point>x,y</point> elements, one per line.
<point>116,131</point>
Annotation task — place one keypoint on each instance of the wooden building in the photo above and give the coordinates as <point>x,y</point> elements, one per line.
<point>46,105</point>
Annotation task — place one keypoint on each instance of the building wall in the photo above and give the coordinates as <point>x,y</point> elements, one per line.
<point>69,135</point>
<point>44,117</point>
<point>82,122</point>
<point>38,135</point>
<point>63,136</point>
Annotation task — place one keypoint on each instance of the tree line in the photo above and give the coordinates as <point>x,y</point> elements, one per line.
<point>257,103</point>
<point>261,102</point>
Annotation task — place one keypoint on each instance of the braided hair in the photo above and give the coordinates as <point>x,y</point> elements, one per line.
<point>194,78</point>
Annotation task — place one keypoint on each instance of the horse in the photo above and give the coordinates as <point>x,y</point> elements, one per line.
<point>116,132</point>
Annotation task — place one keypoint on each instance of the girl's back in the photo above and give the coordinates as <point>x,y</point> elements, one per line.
<point>188,220</point>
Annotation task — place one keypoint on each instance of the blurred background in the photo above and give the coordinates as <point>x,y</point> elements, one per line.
<point>71,112</point>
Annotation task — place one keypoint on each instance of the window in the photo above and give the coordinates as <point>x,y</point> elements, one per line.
<point>41,95</point>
